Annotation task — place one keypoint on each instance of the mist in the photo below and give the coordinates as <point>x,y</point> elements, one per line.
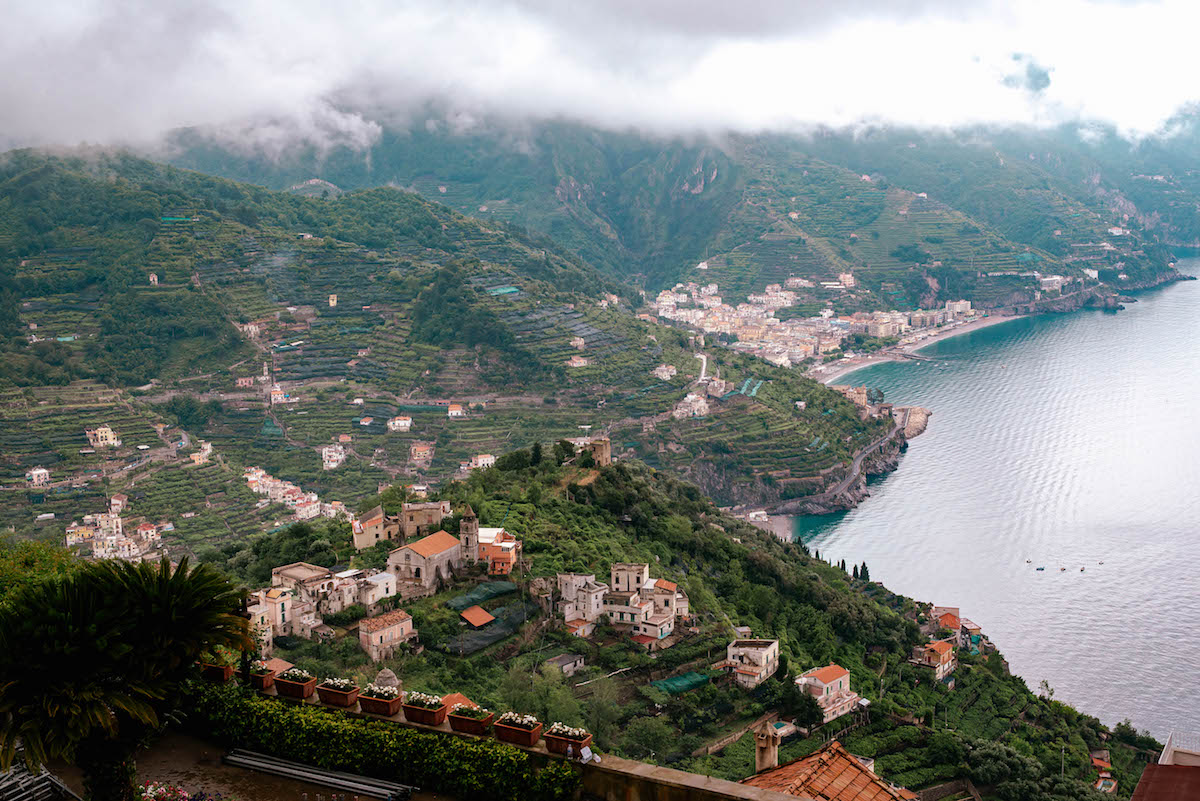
<point>270,75</point>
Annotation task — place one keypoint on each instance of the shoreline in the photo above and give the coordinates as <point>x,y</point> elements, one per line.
<point>831,373</point>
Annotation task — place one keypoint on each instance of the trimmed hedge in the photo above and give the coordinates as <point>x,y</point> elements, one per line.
<point>461,766</point>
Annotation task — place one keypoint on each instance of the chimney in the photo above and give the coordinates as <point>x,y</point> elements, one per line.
<point>766,747</point>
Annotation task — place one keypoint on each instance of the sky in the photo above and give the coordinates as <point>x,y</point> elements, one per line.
<point>273,73</point>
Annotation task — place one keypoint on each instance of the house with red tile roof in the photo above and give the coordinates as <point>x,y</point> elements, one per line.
<point>829,774</point>
<point>427,561</point>
<point>830,686</point>
<point>939,656</point>
<point>382,635</point>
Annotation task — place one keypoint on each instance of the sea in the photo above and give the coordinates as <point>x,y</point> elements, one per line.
<point>1065,442</point>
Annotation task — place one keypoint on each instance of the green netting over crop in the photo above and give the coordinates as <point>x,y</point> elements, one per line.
<point>681,684</point>
<point>508,620</point>
<point>484,592</point>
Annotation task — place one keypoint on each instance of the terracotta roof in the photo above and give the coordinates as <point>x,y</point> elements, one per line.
<point>458,698</point>
<point>477,616</point>
<point>940,647</point>
<point>830,774</point>
<point>1097,762</point>
<point>663,584</point>
<point>435,543</point>
<point>949,620</point>
<point>383,621</point>
<point>642,639</point>
<point>1168,783</point>
<point>828,674</point>
<point>279,665</point>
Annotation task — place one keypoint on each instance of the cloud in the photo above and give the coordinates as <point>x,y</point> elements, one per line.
<point>270,74</point>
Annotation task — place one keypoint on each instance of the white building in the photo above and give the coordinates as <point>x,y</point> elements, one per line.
<point>399,424</point>
<point>332,456</point>
<point>830,686</point>
<point>37,477</point>
<point>750,662</point>
<point>581,602</point>
<point>692,405</point>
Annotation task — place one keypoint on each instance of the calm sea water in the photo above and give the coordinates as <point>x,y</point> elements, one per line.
<point>1067,441</point>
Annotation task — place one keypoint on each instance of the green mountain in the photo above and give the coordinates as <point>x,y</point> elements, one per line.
<point>988,726</point>
<point>376,295</point>
<point>919,218</point>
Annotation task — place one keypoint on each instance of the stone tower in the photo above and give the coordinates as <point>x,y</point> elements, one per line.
<point>766,747</point>
<point>468,534</point>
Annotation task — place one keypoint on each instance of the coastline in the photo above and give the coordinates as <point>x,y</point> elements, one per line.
<point>827,374</point>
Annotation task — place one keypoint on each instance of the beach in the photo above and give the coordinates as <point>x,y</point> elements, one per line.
<point>831,372</point>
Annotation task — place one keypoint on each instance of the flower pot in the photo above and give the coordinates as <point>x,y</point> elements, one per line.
<point>216,672</point>
<point>295,689</point>
<point>468,725</point>
<point>426,717</point>
<point>387,707</point>
<point>262,681</point>
<point>332,697</point>
<point>558,745</point>
<point>518,736</point>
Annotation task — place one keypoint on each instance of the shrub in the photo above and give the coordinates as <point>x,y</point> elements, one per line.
<point>460,766</point>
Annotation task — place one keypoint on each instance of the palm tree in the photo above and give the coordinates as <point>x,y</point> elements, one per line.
<point>91,662</point>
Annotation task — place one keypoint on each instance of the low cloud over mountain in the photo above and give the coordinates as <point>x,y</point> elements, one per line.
<point>270,74</point>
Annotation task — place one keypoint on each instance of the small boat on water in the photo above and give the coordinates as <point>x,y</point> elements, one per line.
<point>1081,570</point>
<point>1100,563</point>
<point>1041,568</point>
<point>1062,570</point>
<point>1028,561</point>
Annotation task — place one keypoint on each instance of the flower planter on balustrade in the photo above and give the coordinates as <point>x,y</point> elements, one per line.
<point>466,725</point>
<point>341,698</point>
<point>426,717</point>
<point>388,707</point>
<point>216,672</point>
<point>262,681</point>
<point>558,745</point>
<point>295,689</point>
<point>517,735</point>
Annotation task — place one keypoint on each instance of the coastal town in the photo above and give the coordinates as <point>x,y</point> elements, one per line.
<point>754,326</point>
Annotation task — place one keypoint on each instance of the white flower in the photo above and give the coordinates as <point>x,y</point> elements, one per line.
<point>378,691</point>
<point>563,730</point>
<point>342,685</point>
<point>295,674</point>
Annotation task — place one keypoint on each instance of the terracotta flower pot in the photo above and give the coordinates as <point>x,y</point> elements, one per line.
<point>388,707</point>
<point>468,725</point>
<point>332,697</point>
<point>262,681</point>
<point>295,689</point>
<point>426,717</point>
<point>216,672</point>
<point>558,745</point>
<point>518,736</point>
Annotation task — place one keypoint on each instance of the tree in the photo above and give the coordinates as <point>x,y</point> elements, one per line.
<point>874,396</point>
<point>855,574</point>
<point>647,737</point>
<point>603,711</point>
<point>28,562</point>
<point>93,662</point>
<point>863,573</point>
<point>535,454</point>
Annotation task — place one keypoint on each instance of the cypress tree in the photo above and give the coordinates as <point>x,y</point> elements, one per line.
<point>864,574</point>
<point>856,571</point>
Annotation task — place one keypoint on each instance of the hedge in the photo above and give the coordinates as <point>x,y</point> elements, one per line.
<point>461,766</point>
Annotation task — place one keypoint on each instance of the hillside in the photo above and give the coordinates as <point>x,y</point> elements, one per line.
<point>989,726</point>
<point>921,218</point>
<point>176,291</point>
